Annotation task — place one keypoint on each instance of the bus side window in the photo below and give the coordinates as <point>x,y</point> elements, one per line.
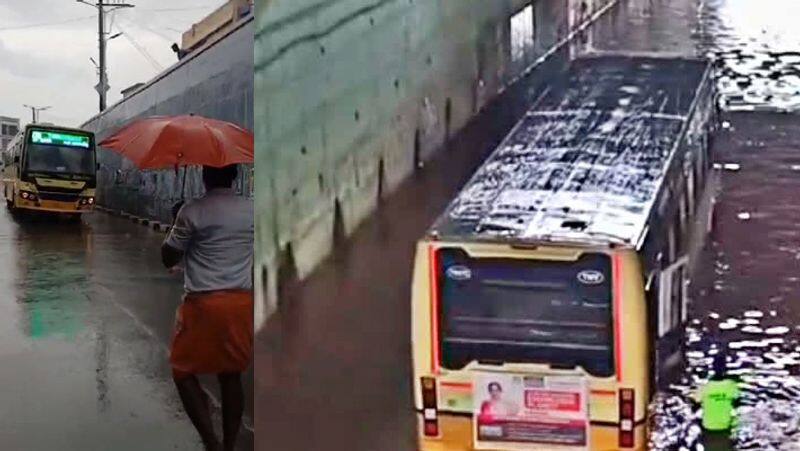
<point>676,298</point>
<point>672,297</point>
<point>672,245</point>
<point>683,218</point>
<point>704,160</point>
<point>691,189</point>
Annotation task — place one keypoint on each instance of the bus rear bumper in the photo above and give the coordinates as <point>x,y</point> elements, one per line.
<point>456,434</point>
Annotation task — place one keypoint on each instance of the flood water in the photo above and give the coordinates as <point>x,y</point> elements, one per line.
<point>757,44</point>
<point>745,290</point>
<point>745,286</point>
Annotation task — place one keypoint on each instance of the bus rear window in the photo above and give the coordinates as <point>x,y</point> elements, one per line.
<point>503,310</point>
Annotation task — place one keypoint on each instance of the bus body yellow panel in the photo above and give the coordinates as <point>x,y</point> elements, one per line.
<point>454,387</point>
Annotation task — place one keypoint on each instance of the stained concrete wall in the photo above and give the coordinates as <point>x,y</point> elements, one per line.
<point>353,95</point>
<point>215,81</point>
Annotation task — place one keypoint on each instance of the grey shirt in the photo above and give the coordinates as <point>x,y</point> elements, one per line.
<point>215,233</point>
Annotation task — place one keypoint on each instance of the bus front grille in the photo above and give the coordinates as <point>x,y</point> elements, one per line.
<point>59,197</point>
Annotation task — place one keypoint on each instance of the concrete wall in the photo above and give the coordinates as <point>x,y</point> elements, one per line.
<point>215,81</point>
<point>352,95</point>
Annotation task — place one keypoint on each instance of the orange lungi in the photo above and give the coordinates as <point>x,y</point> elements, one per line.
<point>213,333</point>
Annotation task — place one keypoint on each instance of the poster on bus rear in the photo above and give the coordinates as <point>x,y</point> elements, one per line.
<point>530,412</point>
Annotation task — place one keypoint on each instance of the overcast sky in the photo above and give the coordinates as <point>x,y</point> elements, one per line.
<point>45,46</point>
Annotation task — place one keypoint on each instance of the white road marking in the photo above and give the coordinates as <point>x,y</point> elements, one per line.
<point>247,422</point>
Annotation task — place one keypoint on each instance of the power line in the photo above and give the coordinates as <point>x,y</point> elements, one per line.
<point>46,24</point>
<point>151,30</point>
<point>194,8</point>
<point>102,38</point>
<point>165,27</point>
<point>112,17</point>
<point>143,51</point>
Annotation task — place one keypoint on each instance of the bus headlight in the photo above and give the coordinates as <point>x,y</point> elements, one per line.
<point>27,195</point>
<point>87,201</point>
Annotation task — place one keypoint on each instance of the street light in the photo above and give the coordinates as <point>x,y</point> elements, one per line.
<point>35,110</point>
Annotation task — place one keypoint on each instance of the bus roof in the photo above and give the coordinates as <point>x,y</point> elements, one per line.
<point>586,163</point>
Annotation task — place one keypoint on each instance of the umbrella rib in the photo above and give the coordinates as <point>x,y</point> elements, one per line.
<point>215,143</point>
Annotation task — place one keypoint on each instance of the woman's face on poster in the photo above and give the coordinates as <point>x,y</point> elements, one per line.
<point>495,391</point>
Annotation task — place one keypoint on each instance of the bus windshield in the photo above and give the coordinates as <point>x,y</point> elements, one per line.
<point>503,310</point>
<point>64,153</point>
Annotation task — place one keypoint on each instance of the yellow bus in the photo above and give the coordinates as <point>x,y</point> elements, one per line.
<point>51,169</point>
<point>549,299</point>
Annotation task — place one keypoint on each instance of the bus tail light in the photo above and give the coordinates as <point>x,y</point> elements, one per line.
<point>626,418</point>
<point>430,415</point>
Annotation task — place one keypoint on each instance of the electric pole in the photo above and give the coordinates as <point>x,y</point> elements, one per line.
<point>101,5</point>
<point>101,45</point>
<point>35,110</point>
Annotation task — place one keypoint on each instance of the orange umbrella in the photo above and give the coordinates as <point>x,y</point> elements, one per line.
<point>170,141</point>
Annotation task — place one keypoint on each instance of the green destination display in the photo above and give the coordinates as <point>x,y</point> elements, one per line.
<point>59,139</point>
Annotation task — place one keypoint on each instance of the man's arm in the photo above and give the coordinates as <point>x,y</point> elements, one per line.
<point>174,247</point>
<point>170,256</point>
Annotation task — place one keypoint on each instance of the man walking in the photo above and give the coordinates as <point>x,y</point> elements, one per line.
<point>213,237</point>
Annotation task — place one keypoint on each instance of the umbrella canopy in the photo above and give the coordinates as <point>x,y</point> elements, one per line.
<point>162,142</point>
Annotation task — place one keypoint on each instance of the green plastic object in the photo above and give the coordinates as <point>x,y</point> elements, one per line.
<point>717,399</point>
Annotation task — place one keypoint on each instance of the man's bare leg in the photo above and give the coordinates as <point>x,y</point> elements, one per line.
<point>232,407</point>
<point>195,402</point>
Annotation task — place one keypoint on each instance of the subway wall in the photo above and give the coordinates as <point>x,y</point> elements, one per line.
<point>353,95</point>
<point>217,82</point>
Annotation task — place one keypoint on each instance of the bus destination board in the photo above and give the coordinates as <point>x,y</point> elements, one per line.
<point>59,139</point>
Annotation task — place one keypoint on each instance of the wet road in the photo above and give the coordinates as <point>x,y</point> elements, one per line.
<point>84,328</point>
<point>334,364</point>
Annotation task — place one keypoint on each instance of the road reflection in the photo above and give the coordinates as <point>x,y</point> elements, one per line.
<point>54,280</point>
<point>83,354</point>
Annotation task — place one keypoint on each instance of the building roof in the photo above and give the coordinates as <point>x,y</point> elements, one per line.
<point>586,163</point>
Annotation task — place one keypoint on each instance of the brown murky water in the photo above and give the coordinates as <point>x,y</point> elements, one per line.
<point>745,291</point>
<point>745,287</point>
<point>758,47</point>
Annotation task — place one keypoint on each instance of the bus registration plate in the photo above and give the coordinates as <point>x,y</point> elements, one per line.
<point>528,411</point>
